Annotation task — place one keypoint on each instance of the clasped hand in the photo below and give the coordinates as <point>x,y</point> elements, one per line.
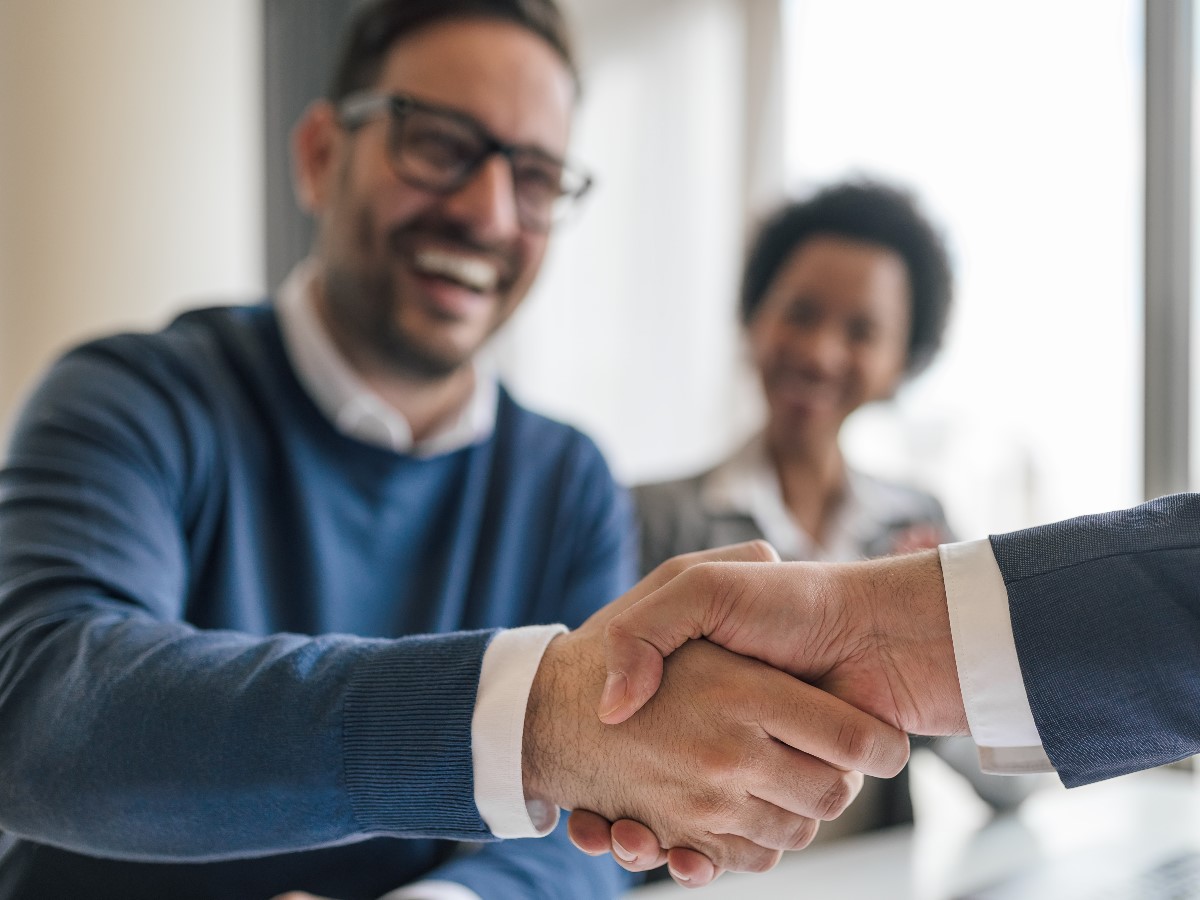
<point>731,758</point>
<point>875,635</point>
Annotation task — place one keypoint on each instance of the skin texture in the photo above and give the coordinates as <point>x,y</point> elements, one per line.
<point>831,335</point>
<point>408,332</point>
<point>732,757</point>
<point>876,634</point>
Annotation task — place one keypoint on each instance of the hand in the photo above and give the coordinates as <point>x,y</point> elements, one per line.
<point>876,634</point>
<point>733,758</point>
<point>635,847</point>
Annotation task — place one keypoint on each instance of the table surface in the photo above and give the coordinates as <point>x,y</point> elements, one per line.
<point>1087,838</point>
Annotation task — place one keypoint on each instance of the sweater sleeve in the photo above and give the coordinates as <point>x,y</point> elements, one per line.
<point>126,732</point>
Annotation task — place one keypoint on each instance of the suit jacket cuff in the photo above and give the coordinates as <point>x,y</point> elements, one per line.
<point>989,673</point>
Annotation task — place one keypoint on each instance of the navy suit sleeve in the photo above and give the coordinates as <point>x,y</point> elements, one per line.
<point>1106,617</point>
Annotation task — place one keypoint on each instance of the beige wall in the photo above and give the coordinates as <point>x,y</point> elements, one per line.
<point>130,173</point>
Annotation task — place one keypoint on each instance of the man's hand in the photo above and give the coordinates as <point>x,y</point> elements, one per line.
<point>876,634</point>
<point>733,758</point>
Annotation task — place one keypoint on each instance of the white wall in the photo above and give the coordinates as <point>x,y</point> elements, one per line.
<point>631,331</point>
<point>130,173</point>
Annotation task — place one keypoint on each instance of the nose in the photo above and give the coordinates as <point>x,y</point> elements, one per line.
<point>823,350</point>
<point>486,204</point>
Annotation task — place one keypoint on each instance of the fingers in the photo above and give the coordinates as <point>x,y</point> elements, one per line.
<point>739,854</point>
<point>631,843</point>
<point>635,846</point>
<point>590,832</point>
<point>774,828</point>
<point>635,665</point>
<point>812,789</point>
<point>747,551</point>
<point>832,730</point>
<point>636,640</point>
<point>688,867</point>
<point>691,868</point>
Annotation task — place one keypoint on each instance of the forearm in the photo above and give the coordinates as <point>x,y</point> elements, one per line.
<point>126,737</point>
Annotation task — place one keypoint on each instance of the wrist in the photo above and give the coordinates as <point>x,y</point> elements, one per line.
<point>555,719</point>
<point>913,624</point>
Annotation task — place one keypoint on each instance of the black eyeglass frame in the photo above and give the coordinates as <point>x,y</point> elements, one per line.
<point>358,109</point>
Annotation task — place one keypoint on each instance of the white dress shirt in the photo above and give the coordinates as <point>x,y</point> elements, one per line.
<point>747,484</point>
<point>993,690</point>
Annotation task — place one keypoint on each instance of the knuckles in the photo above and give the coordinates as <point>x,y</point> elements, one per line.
<point>879,750</point>
<point>837,797</point>
<point>804,834</point>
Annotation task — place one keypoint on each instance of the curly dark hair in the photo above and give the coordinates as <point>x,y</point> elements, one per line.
<point>378,24</point>
<point>870,211</point>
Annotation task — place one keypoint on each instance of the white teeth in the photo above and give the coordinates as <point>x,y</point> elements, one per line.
<point>469,271</point>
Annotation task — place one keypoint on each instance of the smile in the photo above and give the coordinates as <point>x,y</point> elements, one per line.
<point>471,272</point>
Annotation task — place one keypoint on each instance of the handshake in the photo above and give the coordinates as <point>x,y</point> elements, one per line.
<point>729,703</point>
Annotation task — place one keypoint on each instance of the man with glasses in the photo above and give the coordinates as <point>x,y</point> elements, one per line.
<point>256,569</point>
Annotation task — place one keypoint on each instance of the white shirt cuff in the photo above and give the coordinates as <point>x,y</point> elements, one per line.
<point>497,727</point>
<point>432,890</point>
<point>985,652</point>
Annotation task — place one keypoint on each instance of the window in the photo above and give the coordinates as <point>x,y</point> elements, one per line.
<point>1019,126</point>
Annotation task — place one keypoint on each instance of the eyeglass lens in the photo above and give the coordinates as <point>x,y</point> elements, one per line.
<point>441,152</point>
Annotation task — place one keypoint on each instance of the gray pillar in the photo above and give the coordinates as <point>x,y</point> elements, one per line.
<point>1168,274</point>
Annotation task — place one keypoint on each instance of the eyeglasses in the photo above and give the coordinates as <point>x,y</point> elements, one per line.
<point>440,149</point>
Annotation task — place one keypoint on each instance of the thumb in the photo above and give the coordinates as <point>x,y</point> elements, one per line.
<point>637,639</point>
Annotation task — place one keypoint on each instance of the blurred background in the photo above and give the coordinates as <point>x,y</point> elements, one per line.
<point>143,169</point>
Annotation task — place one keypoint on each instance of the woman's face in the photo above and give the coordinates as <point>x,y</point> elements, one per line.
<point>831,334</point>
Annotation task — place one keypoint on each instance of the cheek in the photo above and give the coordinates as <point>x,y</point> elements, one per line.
<point>763,343</point>
<point>882,374</point>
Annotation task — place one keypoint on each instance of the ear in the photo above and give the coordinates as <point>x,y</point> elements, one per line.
<point>315,142</point>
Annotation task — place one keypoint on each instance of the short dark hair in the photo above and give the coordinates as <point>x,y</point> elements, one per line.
<point>378,24</point>
<point>870,211</point>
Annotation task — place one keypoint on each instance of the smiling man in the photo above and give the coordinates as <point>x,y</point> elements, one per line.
<point>262,573</point>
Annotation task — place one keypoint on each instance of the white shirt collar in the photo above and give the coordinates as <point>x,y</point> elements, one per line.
<point>348,403</point>
<point>747,484</point>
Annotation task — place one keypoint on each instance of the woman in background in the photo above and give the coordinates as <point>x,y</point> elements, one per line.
<point>843,297</point>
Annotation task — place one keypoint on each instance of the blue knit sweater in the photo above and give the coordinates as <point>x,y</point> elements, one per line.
<point>205,688</point>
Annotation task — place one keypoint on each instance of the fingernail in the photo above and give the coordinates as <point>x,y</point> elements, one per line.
<point>623,853</point>
<point>676,875</point>
<point>613,694</point>
<point>584,849</point>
